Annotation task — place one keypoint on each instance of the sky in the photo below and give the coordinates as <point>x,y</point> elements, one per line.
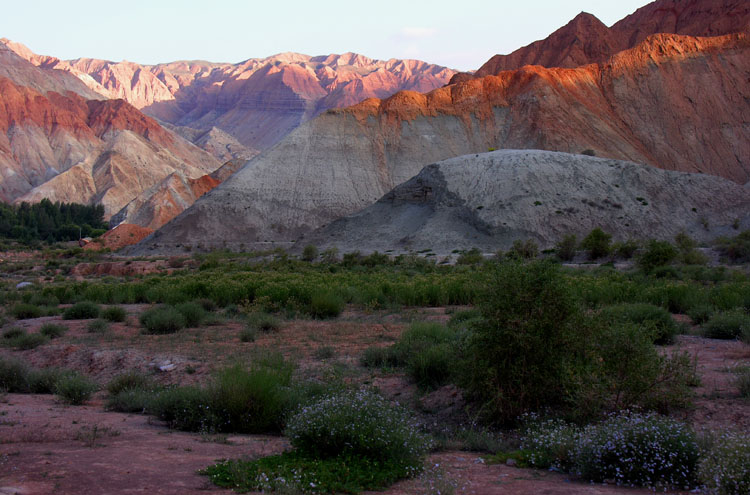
<point>461,34</point>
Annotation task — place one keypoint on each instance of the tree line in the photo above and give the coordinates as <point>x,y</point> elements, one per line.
<point>51,222</point>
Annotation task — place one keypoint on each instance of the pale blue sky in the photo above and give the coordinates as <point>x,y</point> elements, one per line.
<point>461,34</point>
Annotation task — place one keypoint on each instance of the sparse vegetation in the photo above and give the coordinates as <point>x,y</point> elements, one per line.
<point>53,330</point>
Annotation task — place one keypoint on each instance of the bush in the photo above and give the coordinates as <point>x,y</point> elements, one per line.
<point>14,376</point>
<point>597,244</point>
<point>75,389</point>
<point>549,443</point>
<point>727,325</point>
<point>360,424</point>
<point>626,249</point>
<point>262,322</point>
<point>193,314</point>
<point>701,313</point>
<point>648,315</point>
<point>326,305</point>
<point>162,320</point>
<point>638,449</point>
<point>28,341</point>
<point>23,311</point>
<point>53,330</point>
<point>725,467</point>
<point>97,326</point>
<point>45,380</point>
<point>472,257</point>
<point>743,383</point>
<point>309,253</point>
<point>529,350</point>
<point>657,253</point>
<point>12,333</point>
<point>115,314</point>
<point>566,248</point>
<point>131,392</point>
<point>184,408</point>
<point>523,250</point>
<point>83,310</point>
<point>736,249</point>
<point>432,367</point>
<point>131,380</point>
<point>248,335</point>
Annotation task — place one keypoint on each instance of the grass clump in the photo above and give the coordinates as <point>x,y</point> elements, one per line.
<point>162,320</point>
<point>725,465</point>
<point>743,382</point>
<point>26,341</point>
<point>326,305</point>
<point>131,392</point>
<point>83,310</point>
<point>653,317</point>
<point>14,376</point>
<point>25,311</point>
<point>727,325</point>
<point>97,326</point>
<point>12,333</point>
<point>262,322</point>
<point>115,314</point>
<point>53,330</point>
<point>75,389</point>
<point>701,313</point>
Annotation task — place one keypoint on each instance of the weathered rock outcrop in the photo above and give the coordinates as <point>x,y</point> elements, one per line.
<point>675,102</point>
<point>586,40</point>
<point>492,199</point>
<point>69,149</point>
<point>257,101</point>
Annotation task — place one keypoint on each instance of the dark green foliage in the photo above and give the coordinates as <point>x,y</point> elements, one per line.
<point>701,313</point>
<point>656,254</point>
<point>53,330</point>
<point>523,250</point>
<point>27,341</point>
<point>743,382</point>
<point>45,380</point>
<point>736,249</point>
<point>162,320</point>
<point>376,357</point>
<point>131,392</point>
<point>293,472</point>
<point>75,389</point>
<point>727,325</point>
<point>193,314</point>
<point>23,311</point>
<point>725,464</point>
<point>597,244</point>
<point>83,310</point>
<point>97,326</point>
<point>12,333</point>
<point>131,380</point>
<point>688,254</point>
<point>652,317</point>
<point>115,314</point>
<point>262,322</point>
<point>326,305</point>
<point>14,376</point>
<point>566,248</point>
<point>625,250</point>
<point>309,253</point>
<point>471,257</point>
<point>47,221</point>
<point>529,352</point>
<point>462,320</point>
<point>248,334</point>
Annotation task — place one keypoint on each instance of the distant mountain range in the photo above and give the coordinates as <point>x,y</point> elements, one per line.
<point>675,101</point>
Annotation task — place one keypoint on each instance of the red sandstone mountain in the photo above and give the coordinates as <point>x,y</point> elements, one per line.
<point>586,39</point>
<point>257,101</point>
<point>675,102</point>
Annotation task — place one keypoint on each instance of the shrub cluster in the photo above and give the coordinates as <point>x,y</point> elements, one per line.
<point>162,320</point>
<point>728,325</point>
<point>653,317</point>
<point>725,465</point>
<point>83,310</point>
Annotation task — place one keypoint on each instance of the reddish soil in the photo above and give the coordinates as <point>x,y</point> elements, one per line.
<point>123,235</point>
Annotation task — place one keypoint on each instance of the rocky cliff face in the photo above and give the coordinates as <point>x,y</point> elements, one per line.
<point>257,101</point>
<point>675,102</point>
<point>586,40</point>
<point>492,199</point>
<point>69,149</point>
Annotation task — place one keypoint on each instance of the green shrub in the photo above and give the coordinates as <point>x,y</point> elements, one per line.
<point>115,314</point>
<point>12,333</point>
<point>653,317</point>
<point>248,334</point>
<point>75,389</point>
<point>597,244</point>
<point>131,401</point>
<point>462,320</point>
<point>656,254</point>
<point>28,341</point>
<point>701,313</point>
<point>359,423</point>
<point>53,330</point>
<point>472,257</point>
<point>529,352</point>
<point>377,357</point>
<point>326,305</point>
<point>185,408</point>
<point>97,326</point>
<point>83,310</point>
<point>638,449</point>
<point>743,382</point>
<point>23,311</point>
<point>626,249</point>
<point>727,325</point>
<point>523,250</point>
<point>162,320</point>
<point>725,467</point>
<point>193,314</point>
<point>45,380</point>
<point>549,443</point>
<point>309,253</point>
<point>432,367</point>
<point>737,249</point>
<point>130,380</point>
<point>566,248</point>
<point>262,322</point>
<point>14,376</point>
